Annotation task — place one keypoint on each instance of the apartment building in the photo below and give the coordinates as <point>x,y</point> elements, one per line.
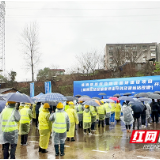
<point>135,52</point>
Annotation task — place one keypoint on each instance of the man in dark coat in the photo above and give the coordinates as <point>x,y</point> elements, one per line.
<point>154,111</point>
<point>38,105</point>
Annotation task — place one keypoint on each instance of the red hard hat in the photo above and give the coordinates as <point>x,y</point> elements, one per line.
<point>118,101</point>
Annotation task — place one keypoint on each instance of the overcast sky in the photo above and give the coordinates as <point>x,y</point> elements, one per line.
<point>67,28</point>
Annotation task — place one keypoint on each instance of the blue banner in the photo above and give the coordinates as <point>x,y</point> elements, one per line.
<point>48,88</point>
<point>117,86</point>
<point>31,89</point>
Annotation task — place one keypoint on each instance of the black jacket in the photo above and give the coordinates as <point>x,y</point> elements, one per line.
<point>154,106</point>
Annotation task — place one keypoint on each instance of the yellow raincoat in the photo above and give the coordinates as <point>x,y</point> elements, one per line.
<point>44,128</point>
<point>113,107</point>
<point>34,111</point>
<point>73,118</point>
<point>18,123</point>
<point>118,111</point>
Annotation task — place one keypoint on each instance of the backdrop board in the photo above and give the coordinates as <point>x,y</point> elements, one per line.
<point>31,89</point>
<point>48,88</point>
<point>117,85</point>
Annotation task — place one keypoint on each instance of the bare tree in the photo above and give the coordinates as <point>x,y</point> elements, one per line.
<point>30,44</point>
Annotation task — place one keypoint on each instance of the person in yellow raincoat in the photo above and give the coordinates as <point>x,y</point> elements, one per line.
<point>34,112</point>
<point>113,106</point>
<point>118,111</point>
<point>101,113</point>
<point>79,110</point>
<point>73,118</point>
<point>66,106</point>
<point>26,116</point>
<point>108,112</point>
<point>45,127</point>
<point>87,114</point>
<point>20,107</point>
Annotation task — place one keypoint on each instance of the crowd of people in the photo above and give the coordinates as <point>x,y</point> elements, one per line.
<point>59,122</point>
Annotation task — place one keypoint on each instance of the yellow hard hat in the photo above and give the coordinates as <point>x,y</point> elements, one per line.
<point>80,101</point>
<point>86,106</point>
<point>46,105</point>
<point>71,103</point>
<point>102,101</point>
<point>11,102</point>
<point>60,105</point>
<point>28,104</point>
<point>7,104</point>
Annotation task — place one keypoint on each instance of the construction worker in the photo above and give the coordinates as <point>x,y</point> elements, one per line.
<point>113,107</point>
<point>60,127</point>
<point>45,127</point>
<point>93,110</point>
<point>101,113</point>
<point>73,118</point>
<point>80,113</point>
<point>26,117</point>
<point>87,120</point>
<point>9,130</point>
<point>34,112</point>
<point>66,106</point>
<point>108,112</point>
<point>118,111</point>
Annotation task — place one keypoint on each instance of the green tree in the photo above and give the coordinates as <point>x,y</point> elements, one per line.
<point>44,74</point>
<point>3,79</point>
<point>12,76</point>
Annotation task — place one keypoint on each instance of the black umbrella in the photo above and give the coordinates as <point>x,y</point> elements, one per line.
<point>78,95</point>
<point>127,94</point>
<point>71,98</point>
<point>102,94</point>
<point>137,107</point>
<point>117,95</point>
<point>154,96</point>
<point>96,98</point>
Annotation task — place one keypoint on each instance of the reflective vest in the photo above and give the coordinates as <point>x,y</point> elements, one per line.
<point>113,107</point>
<point>80,111</point>
<point>108,109</point>
<point>92,109</point>
<point>71,115</point>
<point>43,123</point>
<point>59,125</point>
<point>24,116</point>
<point>86,117</point>
<point>66,107</point>
<point>8,122</point>
<point>101,110</point>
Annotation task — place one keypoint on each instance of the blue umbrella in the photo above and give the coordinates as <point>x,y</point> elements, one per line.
<point>2,105</point>
<point>18,97</point>
<point>137,107</point>
<point>126,98</point>
<point>91,103</point>
<point>50,97</point>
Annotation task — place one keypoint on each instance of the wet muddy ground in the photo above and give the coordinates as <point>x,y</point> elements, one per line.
<point>110,142</point>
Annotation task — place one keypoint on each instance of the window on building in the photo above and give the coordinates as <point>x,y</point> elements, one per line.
<point>110,59</point>
<point>134,47</point>
<point>135,53</point>
<point>110,53</point>
<point>110,47</point>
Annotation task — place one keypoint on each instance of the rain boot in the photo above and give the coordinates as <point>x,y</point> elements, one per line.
<point>56,146</point>
<point>68,139</point>
<point>102,123</point>
<point>72,139</point>
<point>44,151</point>
<point>99,123</point>
<point>62,149</point>
<point>40,149</point>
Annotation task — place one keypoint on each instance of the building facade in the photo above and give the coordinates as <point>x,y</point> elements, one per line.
<point>119,54</point>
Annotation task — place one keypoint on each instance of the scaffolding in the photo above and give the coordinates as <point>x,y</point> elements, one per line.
<point>2,37</point>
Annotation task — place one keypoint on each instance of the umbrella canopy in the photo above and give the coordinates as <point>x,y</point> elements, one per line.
<point>84,98</point>
<point>97,101</point>
<point>142,94</point>
<point>108,100</point>
<point>137,107</point>
<point>96,98</point>
<point>50,97</point>
<point>71,98</point>
<point>91,103</point>
<point>145,99</point>
<point>102,94</point>
<point>2,105</point>
<point>126,98</point>
<point>127,94</point>
<point>114,98</point>
<point>154,96</point>
<point>157,92</point>
<point>18,97</point>
<point>78,95</point>
<point>117,95</point>
<point>136,99</point>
